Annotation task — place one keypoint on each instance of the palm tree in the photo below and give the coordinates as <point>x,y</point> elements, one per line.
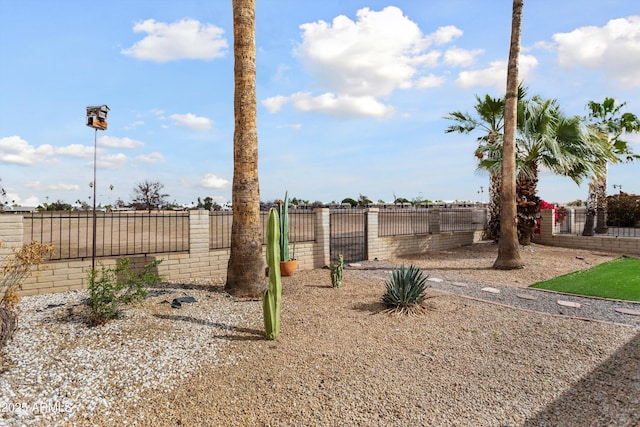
<point>245,271</point>
<point>508,249</point>
<point>490,120</point>
<point>608,119</point>
<point>546,138</point>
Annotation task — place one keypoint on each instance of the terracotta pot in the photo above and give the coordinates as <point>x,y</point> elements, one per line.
<point>288,267</point>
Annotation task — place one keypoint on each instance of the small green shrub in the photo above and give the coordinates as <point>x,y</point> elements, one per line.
<point>116,286</point>
<point>406,291</point>
<point>337,272</point>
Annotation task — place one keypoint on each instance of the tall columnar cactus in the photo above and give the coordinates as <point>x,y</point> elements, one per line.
<point>336,272</point>
<point>283,212</point>
<point>272,296</point>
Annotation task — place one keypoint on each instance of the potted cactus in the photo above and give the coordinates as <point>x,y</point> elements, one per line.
<point>288,264</point>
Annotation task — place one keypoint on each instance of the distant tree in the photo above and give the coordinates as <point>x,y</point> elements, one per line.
<point>609,120</point>
<point>148,195</point>
<point>577,202</point>
<point>364,201</point>
<point>351,201</point>
<point>401,200</point>
<point>317,204</point>
<point>58,205</point>
<point>84,206</point>
<point>3,193</point>
<point>207,204</point>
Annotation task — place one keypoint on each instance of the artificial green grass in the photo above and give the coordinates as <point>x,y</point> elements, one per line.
<point>617,279</point>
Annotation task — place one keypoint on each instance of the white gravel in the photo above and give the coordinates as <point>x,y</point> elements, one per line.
<point>61,368</point>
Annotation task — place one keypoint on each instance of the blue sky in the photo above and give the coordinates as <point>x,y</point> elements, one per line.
<point>351,93</point>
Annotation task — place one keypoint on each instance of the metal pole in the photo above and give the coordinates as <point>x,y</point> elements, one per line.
<point>93,249</point>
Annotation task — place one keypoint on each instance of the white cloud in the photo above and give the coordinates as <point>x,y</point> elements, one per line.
<point>37,185</point>
<point>114,161</point>
<point>14,149</point>
<point>74,150</point>
<point>458,57</point>
<point>191,121</point>
<point>429,81</point>
<point>445,35</point>
<point>275,103</point>
<point>613,49</point>
<point>185,39</point>
<point>380,52</point>
<point>154,157</point>
<point>213,181</point>
<point>359,61</point>
<point>496,73</point>
<point>343,106</point>
<point>115,142</point>
<point>134,125</point>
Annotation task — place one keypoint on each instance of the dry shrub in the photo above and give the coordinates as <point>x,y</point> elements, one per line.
<point>15,268</point>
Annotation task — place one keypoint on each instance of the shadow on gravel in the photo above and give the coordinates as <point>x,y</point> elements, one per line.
<point>254,334</point>
<point>608,395</point>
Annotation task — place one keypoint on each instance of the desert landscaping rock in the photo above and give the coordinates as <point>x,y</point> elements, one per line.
<point>527,297</point>
<point>339,360</point>
<point>490,290</point>
<point>435,279</point>
<point>628,311</point>
<point>570,304</point>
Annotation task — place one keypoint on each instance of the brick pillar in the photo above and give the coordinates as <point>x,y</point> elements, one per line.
<point>372,233</point>
<point>198,233</point>
<point>322,249</point>
<point>11,230</point>
<point>434,220</point>
<point>547,222</point>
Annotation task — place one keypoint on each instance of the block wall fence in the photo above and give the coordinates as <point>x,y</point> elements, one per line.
<point>622,245</point>
<point>202,262</point>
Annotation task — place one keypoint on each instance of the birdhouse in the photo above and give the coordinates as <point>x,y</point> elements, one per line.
<point>97,116</point>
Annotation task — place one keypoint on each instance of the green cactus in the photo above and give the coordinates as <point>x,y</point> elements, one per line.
<point>272,296</point>
<point>336,272</point>
<point>283,212</point>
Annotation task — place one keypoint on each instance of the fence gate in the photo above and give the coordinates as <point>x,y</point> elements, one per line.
<point>348,234</point>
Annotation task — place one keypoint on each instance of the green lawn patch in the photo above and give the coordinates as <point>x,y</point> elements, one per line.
<point>617,279</point>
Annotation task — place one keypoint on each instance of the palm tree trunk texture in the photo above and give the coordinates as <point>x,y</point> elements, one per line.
<point>591,210</point>
<point>526,188</point>
<point>8,325</point>
<point>601,203</point>
<point>508,247</point>
<point>495,185</point>
<point>245,271</point>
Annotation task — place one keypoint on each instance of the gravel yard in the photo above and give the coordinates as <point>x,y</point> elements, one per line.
<point>339,359</point>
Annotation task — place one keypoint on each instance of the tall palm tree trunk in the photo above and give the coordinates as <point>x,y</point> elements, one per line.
<point>591,209</point>
<point>495,184</point>
<point>508,248</point>
<point>601,202</point>
<point>245,271</point>
<point>526,190</point>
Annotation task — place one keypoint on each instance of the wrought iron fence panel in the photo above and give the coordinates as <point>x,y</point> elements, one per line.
<point>462,219</point>
<point>301,227</point>
<point>117,233</point>
<point>403,222</point>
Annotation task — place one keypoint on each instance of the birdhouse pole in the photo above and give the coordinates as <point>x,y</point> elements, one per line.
<point>96,119</point>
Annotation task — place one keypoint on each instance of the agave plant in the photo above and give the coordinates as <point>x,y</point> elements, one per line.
<point>406,291</point>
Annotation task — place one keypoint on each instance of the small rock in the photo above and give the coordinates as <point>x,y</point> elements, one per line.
<point>434,279</point>
<point>460,284</point>
<point>355,264</point>
<point>569,304</point>
<point>579,257</point>
<point>491,290</point>
<point>628,311</point>
<point>527,297</point>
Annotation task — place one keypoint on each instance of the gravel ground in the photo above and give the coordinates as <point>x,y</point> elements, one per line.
<point>340,359</point>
